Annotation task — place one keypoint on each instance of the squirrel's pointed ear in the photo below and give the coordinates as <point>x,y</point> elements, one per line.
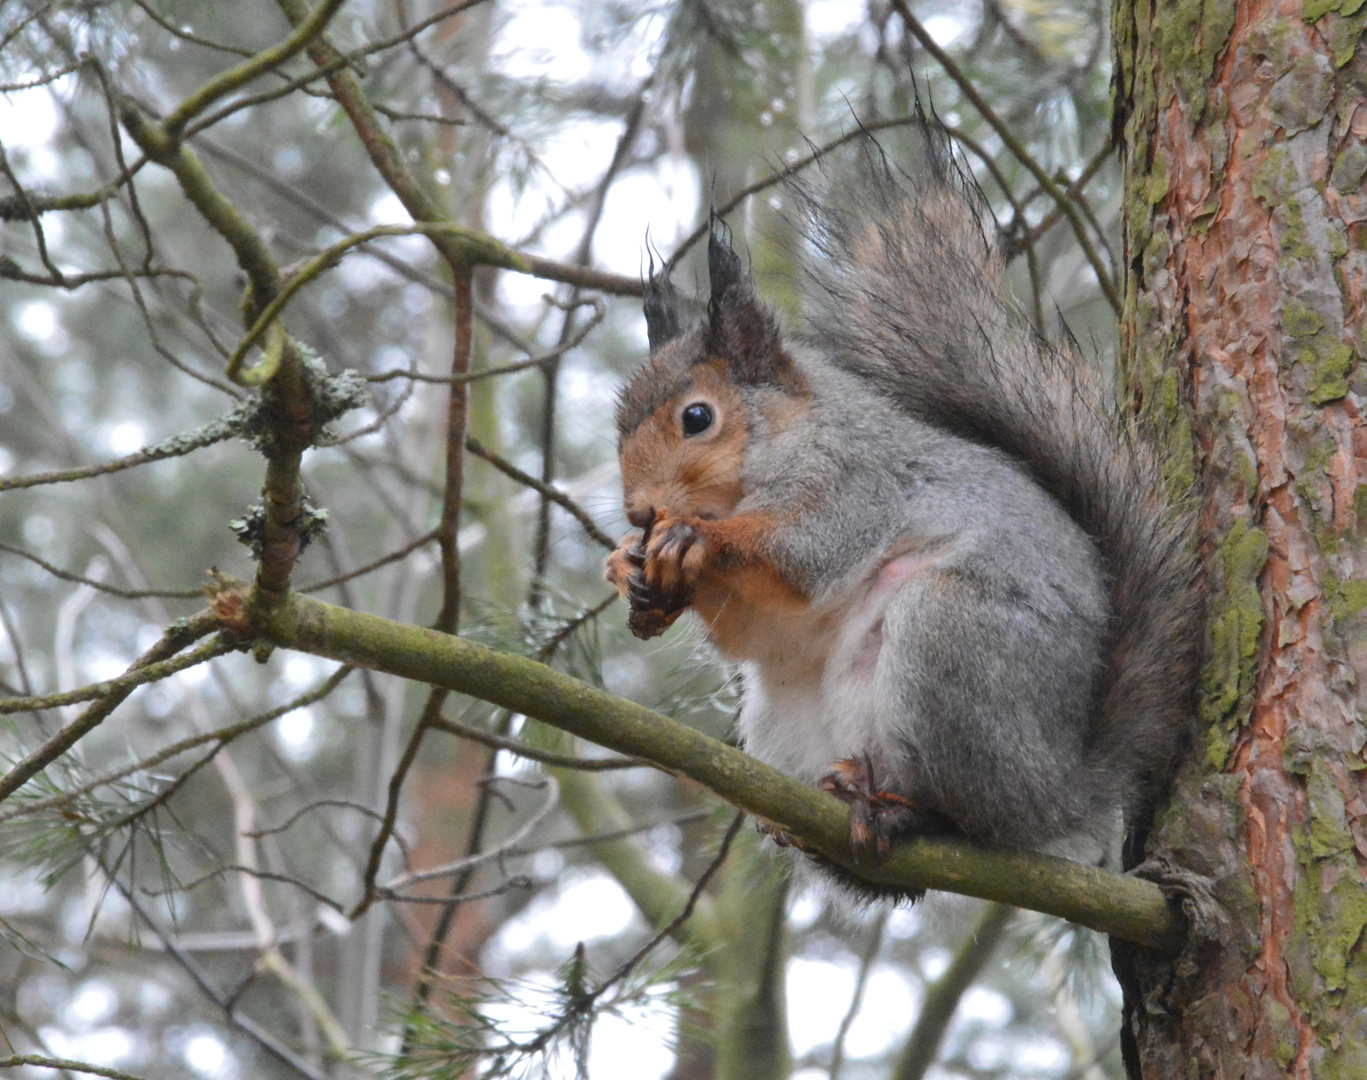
<point>741,328</point>
<point>665,310</point>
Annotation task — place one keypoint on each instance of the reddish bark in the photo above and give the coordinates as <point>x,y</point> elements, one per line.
<point>1243,127</point>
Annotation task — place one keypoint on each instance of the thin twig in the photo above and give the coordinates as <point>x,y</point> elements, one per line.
<point>873,941</point>
<point>266,60</point>
<point>521,749</point>
<point>42,1061</point>
<point>112,590</point>
<point>351,59</point>
<point>222,736</point>
<point>469,862</point>
<point>778,177</point>
<point>245,1024</point>
<point>586,1003</point>
<point>541,549</point>
<point>686,818</point>
<point>187,35</point>
<point>942,999</point>
<point>544,490</point>
<point>135,676</point>
<point>384,560</point>
<point>110,694</point>
<point>253,872</point>
<point>599,310</point>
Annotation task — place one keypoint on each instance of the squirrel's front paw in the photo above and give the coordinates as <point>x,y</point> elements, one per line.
<point>635,570</point>
<point>656,573</point>
<point>675,556</point>
<point>625,563</point>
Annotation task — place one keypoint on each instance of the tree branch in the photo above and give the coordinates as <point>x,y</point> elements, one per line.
<point>264,61</point>
<point>1126,907</point>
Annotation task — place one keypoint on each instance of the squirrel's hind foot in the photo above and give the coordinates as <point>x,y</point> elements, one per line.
<point>878,818</point>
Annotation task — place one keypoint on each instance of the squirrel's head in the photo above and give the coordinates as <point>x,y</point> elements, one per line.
<point>684,419</point>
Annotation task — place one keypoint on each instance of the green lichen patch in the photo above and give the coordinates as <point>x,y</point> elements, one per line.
<point>1277,40</point>
<point>1331,915</point>
<point>1189,36</point>
<point>1276,179</point>
<point>1325,817</point>
<point>1352,598</point>
<point>1344,1059</point>
<point>1156,184</point>
<point>1349,168</point>
<point>1325,948</point>
<point>1328,360</point>
<point>1278,1018</point>
<point>1310,482</point>
<point>1315,9</point>
<point>1179,465</point>
<point>1301,97</point>
<point>1235,628</point>
<point>1343,32</point>
<point>1329,372</point>
<point>1300,321</point>
<point>1360,505</point>
<point>1293,239</point>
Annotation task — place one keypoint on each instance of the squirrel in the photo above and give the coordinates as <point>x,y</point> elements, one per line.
<point>960,600</point>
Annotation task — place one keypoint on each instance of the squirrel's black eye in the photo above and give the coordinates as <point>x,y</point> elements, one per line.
<point>697,418</point>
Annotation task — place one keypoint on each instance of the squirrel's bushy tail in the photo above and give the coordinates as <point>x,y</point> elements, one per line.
<point>904,292</point>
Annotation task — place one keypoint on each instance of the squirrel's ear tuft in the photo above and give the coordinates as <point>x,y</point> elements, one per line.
<point>665,310</point>
<point>741,329</point>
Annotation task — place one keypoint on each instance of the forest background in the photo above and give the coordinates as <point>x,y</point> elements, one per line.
<point>223,879</point>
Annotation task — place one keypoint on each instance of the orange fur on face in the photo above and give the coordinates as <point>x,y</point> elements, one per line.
<point>665,473</point>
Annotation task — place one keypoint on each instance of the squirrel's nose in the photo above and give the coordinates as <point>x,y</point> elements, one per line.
<point>640,518</point>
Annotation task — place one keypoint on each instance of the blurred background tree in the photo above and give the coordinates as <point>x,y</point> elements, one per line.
<point>191,889</point>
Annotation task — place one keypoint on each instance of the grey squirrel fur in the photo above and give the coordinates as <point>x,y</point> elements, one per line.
<point>988,600</point>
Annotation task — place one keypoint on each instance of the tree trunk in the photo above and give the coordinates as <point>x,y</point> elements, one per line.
<point>1242,127</point>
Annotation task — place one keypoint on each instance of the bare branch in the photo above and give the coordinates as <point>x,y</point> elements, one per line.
<point>384,560</point>
<point>112,590</point>
<point>471,861</point>
<point>923,1045</point>
<point>222,737</point>
<point>599,311</point>
<point>245,1024</point>
<point>177,446</point>
<point>42,1061</point>
<point>544,490</point>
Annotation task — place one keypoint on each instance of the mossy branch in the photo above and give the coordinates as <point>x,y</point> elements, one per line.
<point>1126,907</point>
<point>258,65</point>
<point>252,254</point>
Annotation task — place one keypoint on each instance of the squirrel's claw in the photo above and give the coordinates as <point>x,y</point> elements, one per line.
<point>674,558</point>
<point>651,614</point>
<point>877,818</point>
<point>656,573</point>
<point>780,836</point>
<point>625,563</point>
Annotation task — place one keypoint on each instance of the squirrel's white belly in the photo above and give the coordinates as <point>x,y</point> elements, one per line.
<point>816,689</point>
